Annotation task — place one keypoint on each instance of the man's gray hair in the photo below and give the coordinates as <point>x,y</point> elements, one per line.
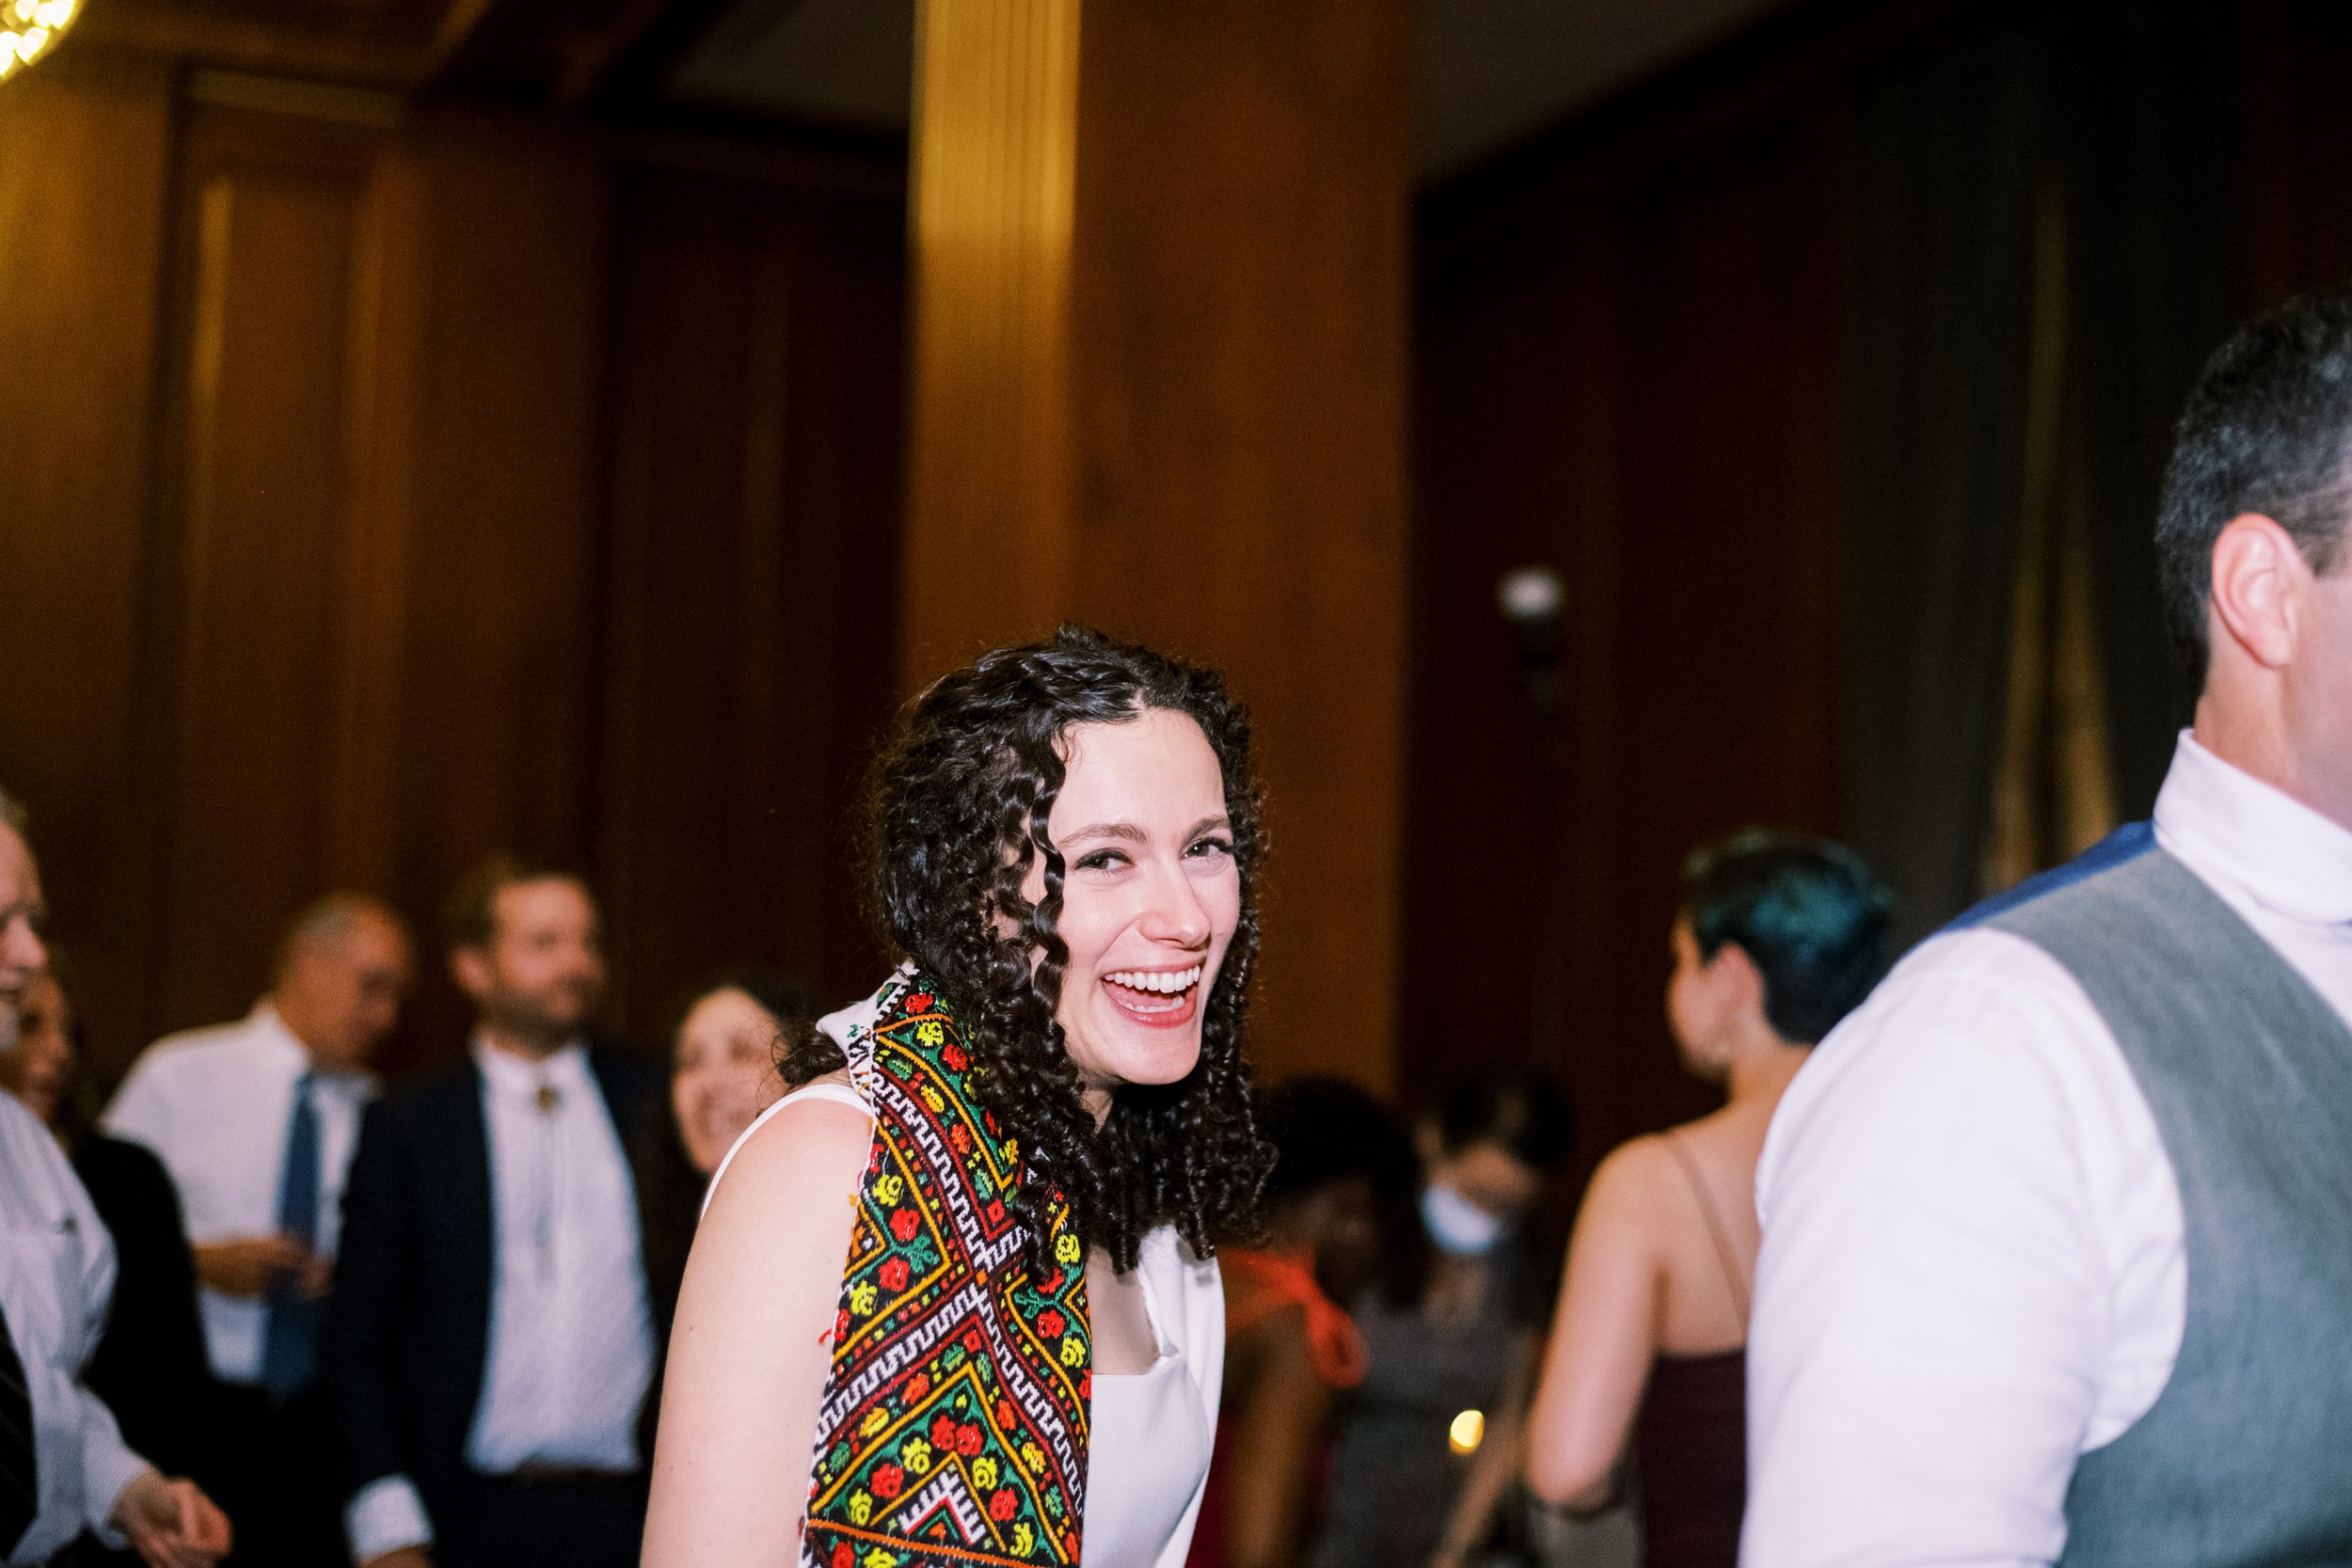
<point>326,921</point>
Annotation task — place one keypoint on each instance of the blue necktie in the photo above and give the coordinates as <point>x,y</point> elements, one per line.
<point>290,1353</point>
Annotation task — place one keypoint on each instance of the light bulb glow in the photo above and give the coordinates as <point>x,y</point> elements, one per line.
<point>1467,1431</point>
<point>28,28</point>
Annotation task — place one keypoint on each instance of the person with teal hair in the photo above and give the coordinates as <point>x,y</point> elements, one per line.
<point>1778,937</point>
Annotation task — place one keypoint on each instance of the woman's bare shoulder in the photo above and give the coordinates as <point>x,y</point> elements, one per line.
<point>804,1150</point>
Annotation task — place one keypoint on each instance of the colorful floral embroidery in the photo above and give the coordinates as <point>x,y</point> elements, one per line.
<point>954,1424</point>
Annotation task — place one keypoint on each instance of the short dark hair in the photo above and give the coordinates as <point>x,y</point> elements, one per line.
<point>2268,429</point>
<point>1523,1113</point>
<point>1810,914</point>
<point>470,918</point>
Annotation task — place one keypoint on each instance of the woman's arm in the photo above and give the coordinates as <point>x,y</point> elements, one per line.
<point>1603,1336</point>
<point>753,1343</point>
<point>1277,1434</point>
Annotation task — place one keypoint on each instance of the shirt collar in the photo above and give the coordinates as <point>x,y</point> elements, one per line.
<point>284,1042</point>
<point>2227,825</point>
<point>509,1074</point>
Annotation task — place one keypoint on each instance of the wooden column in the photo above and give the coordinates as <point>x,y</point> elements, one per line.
<point>1159,388</point>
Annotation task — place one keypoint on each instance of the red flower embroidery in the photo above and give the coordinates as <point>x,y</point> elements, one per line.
<point>840,1324</point>
<point>1086,1385</point>
<point>919,1003</point>
<point>972,1341</point>
<point>967,1439</point>
<point>995,1210</point>
<point>918,1386</point>
<point>1004,1413</point>
<point>959,1138</point>
<point>904,1223</point>
<point>953,1055</point>
<point>842,1556</point>
<point>1052,1283</point>
<point>1070,1545</point>
<point>894,1274</point>
<point>887,1480</point>
<point>1051,1323</point>
<point>942,1433</point>
<point>1004,1504</point>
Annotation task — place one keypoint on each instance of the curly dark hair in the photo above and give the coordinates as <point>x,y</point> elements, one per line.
<point>955,816</point>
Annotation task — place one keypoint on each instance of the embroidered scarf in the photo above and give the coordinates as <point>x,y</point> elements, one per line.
<point>954,1423</point>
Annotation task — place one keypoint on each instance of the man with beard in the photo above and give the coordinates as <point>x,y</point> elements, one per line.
<point>489,1344</point>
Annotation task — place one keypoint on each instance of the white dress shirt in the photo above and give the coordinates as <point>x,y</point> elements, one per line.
<point>1973,1269</point>
<point>56,1283</point>
<point>215,1105</point>
<point>571,1332</point>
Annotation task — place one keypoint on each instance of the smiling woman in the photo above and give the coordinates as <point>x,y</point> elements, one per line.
<point>1042,1124</point>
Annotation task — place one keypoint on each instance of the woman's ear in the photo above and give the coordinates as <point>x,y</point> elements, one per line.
<point>1742,981</point>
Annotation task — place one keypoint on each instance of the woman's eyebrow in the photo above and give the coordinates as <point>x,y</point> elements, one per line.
<point>1127,831</point>
<point>1208,825</point>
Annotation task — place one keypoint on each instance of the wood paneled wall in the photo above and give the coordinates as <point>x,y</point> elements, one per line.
<point>1626,369</point>
<point>752,587</point>
<point>1178,413</point>
<point>317,573</point>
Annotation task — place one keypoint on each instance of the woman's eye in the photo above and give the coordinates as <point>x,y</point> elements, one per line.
<point>1101,860</point>
<point>1211,847</point>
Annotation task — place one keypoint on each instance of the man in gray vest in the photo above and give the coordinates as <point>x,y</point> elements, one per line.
<point>2058,1227</point>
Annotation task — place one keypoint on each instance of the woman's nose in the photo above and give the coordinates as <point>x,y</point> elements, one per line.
<point>1176,914</point>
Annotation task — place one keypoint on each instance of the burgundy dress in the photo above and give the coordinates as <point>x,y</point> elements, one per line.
<point>1691,1451</point>
<point>1691,1438</point>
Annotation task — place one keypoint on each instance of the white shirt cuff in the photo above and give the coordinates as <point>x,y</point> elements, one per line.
<point>107,1467</point>
<point>385,1516</point>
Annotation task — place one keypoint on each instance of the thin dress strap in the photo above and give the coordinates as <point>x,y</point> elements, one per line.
<point>838,1092</point>
<point>1725,1253</point>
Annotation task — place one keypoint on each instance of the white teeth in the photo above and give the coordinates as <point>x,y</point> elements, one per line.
<point>1166,982</point>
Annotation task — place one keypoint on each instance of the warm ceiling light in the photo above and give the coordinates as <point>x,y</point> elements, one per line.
<point>28,27</point>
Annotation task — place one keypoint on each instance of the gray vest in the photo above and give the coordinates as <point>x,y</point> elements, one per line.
<point>2246,1458</point>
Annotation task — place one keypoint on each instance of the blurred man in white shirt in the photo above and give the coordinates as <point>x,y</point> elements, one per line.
<point>2057,1228</point>
<point>256,1121</point>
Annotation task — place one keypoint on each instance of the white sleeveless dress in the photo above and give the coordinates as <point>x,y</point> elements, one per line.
<point>1150,1432</point>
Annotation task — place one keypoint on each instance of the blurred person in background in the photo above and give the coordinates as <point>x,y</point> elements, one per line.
<point>731,1032</point>
<point>1340,1221</point>
<point>1777,938</point>
<point>64,1468</point>
<point>492,1338</point>
<point>1428,1441</point>
<point>723,1055</point>
<point>256,1121</point>
<point>150,1366</point>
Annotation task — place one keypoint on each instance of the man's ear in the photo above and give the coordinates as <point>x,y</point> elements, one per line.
<point>470,968</point>
<point>2260,580</point>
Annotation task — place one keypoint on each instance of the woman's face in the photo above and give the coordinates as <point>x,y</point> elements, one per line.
<point>724,1074</point>
<point>1150,894</point>
<point>36,1070</point>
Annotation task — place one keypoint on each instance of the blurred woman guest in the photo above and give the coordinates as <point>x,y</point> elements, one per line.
<point>1339,1220</point>
<point>1026,1145</point>
<point>723,1055</point>
<point>1777,939</point>
<point>150,1366</point>
<point>730,1035</point>
<point>1427,1444</point>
